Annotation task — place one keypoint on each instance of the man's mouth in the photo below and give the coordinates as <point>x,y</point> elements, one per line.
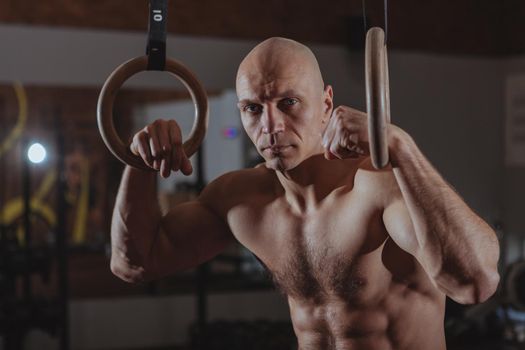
<point>276,148</point>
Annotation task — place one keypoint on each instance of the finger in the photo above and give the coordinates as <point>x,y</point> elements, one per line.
<point>176,142</point>
<point>186,167</point>
<point>355,144</point>
<point>335,147</point>
<point>353,139</point>
<point>328,142</point>
<point>154,145</point>
<point>340,146</point>
<point>164,169</point>
<point>176,158</point>
<point>343,153</point>
<point>337,121</point>
<point>133,147</point>
<point>352,148</point>
<point>358,150</point>
<point>143,148</point>
<point>329,155</point>
<point>352,152</point>
<point>162,129</point>
<point>329,132</point>
<point>358,125</point>
<point>167,162</point>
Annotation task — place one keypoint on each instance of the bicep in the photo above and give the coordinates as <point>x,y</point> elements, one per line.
<point>190,234</point>
<point>399,226</point>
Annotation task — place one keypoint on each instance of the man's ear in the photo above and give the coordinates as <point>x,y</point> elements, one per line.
<point>328,103</point>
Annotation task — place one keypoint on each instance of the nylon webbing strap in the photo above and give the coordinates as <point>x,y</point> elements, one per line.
<point>385,18</point>
<point>157,34</point>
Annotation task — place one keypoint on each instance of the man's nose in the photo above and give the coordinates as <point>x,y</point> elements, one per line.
<point>272,121</point>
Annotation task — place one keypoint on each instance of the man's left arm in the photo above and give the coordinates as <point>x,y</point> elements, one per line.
<point>457,249</point>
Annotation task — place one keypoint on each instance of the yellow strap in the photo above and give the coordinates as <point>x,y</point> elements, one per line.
<point>16,132</point>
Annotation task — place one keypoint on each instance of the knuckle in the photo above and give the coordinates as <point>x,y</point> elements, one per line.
<point>136,138</point>
<point>339,117</point>
<point>148,129</point>
<point>175,131</point>
<point>340,109</point>
<point>166,149</point>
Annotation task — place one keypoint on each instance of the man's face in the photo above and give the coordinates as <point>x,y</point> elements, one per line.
<point>284,114</point>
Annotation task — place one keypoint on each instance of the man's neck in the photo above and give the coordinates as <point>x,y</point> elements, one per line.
<point>312,181</point>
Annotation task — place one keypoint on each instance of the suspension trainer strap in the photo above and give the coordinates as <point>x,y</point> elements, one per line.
<point>157,34</point>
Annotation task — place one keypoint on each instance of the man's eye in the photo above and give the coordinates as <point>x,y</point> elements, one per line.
<point>289,101</point>
<point>252,108</point>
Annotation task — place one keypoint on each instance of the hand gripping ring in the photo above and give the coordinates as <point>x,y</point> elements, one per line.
<point>377,96</point>
<point>109,92</point>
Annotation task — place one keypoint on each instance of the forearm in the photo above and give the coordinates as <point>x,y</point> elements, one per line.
<point>135,223</point>
<point>455,246</point>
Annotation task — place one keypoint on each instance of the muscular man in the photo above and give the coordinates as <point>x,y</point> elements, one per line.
<point>365,257</point>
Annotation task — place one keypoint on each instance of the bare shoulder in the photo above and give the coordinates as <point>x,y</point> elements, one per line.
<point>238,187</point>
<point>380,184</point>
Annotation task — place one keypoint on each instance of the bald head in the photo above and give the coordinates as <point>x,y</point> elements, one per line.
<point>283,103</point>
<point>280,58</point>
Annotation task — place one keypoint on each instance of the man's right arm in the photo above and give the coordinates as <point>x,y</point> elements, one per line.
<point>146,245</point>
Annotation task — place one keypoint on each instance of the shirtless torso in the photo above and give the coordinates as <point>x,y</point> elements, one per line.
<point>348,285</point>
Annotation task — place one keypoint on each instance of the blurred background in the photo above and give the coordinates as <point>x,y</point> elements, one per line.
<point>457,82</point>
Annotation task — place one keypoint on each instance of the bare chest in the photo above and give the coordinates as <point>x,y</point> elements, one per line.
<point>335,251</point>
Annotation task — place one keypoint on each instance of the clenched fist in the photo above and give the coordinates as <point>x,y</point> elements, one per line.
<point>346,135</point>
<point>159,144</point>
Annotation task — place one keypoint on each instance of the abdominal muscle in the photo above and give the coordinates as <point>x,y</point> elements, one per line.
<point>403,319</point>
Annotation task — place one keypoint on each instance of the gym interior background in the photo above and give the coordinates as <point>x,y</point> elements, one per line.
<point>457,77</point>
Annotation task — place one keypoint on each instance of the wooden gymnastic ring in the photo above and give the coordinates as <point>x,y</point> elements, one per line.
<point>109,92</point>
<point>377,96</point>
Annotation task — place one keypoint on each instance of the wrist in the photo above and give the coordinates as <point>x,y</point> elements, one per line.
<point>399,143</point>
<point>142,173</point>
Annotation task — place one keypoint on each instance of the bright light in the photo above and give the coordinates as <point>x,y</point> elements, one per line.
<point>36,153</point>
